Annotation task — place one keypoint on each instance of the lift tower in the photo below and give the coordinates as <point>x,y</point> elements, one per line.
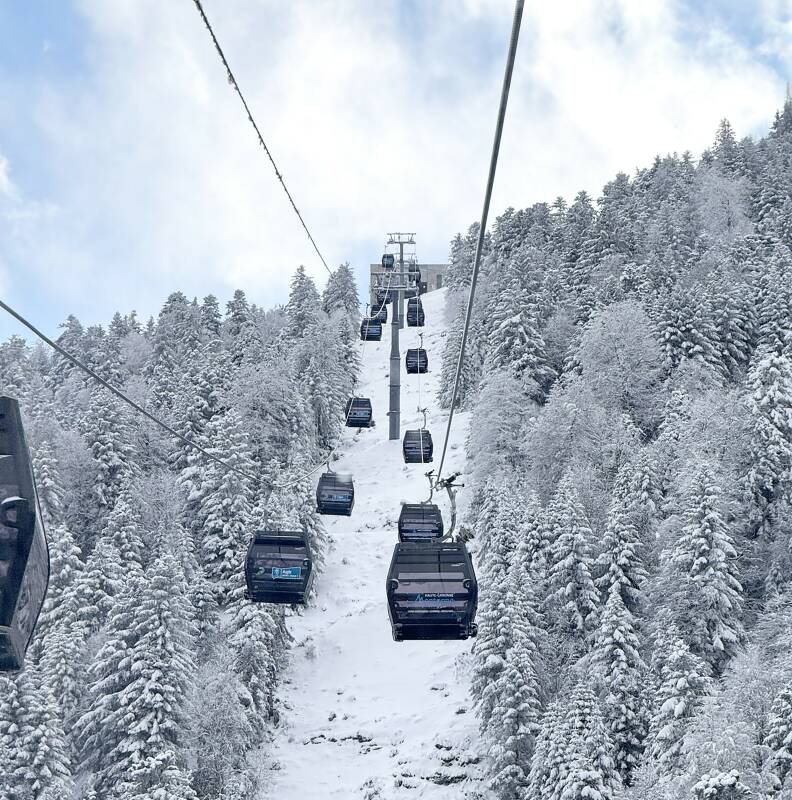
<point>397,322</point>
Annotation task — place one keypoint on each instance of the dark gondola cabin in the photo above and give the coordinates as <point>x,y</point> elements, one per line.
<point>370,330</point>
<point>414,273</point>
<point>358,412</point>
<point>416,361</point>
<point>388,261</point>
<point>335,494</point>
<point>415,313</point>
<point>24,558</point>
<point>432,591</point>
<point>383,296</point>
<point>278,567</point>
<point>417,447</point>
<point>420,522</point>
<point>380,314</point>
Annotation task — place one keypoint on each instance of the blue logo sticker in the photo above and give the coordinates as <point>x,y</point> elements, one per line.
<point>287,573</point>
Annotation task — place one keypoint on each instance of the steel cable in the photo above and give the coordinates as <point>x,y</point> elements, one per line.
<point>518,12</point>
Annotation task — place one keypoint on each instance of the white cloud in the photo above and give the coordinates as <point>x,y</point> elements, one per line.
<point>159,183</point>
<point>7,188</point>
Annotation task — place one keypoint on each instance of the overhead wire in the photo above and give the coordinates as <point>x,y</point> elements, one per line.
<point>233,81</point>
<point>128,400</point>
<point>504,99</point>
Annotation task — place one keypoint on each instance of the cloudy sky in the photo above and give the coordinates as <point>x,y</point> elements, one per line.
<point>128,169</point>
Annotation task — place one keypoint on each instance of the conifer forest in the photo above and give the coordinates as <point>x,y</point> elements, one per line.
<point>629,463</point>
<point>618,372</point>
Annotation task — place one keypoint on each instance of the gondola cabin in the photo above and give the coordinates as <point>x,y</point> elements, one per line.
<point>370,330</point>
<point>417,447</point>
<point>359,413</point>
<point>415,313</point>
<point>388,261</point>
<point>420,522</point>
<point>24,558</point>
<point>432,591</point>
<point>414,273</point>
<point>383,296</point>
<point>278,567</point>
<point>416,361</point>
<point>335,494</point>
<point>380,314</point>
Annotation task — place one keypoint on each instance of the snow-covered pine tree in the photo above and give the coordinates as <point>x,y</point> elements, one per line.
<point>340,295</point>
<point>66,568</point>
<point>493,638</point>
<point>107,430</point>
<point>63,666</point>
<point>769,478</point>
<point>516,345</point>
<point>225,504</point>
<point>706,598</point>
<point>36,762</point>
<point>220,736</point>
<point>620,563</point>
<point>573,599</point>
<point>620,672</point>
<point>259,642</point>
<point>176,340</point>
<point>124,529</point>
<point>721,786</point>
<point>304,306</point>
<point>516,693</point>
<point>683,680</point>
<point>775,300</point>
<point>131,732</point>
<point>472,364</point>
<point>779,735</point>
<point>548,763</point>
<point>210,317</point>
<point>48,484</point>
<point>591,772</point>
<point>98,585</point>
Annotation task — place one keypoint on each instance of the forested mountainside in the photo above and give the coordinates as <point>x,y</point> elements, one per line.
<point>150,676</point>
<point>629,377</point>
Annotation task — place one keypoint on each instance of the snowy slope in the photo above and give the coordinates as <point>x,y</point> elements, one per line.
<point>363,716</point>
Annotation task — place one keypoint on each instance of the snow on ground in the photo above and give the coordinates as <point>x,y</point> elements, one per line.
<point>362,715</point>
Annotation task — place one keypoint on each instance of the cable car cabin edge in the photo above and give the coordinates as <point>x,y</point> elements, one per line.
<point>278,567</point>
<point>415,313</point>
<point>370,330</point>
<point>359,413</point>
<point>420,522</point>
<point>24,557</point>
<point>417,447</point>
<point>416,361</point>
<point>388,261</point>
<point>335,494</point>
<point>432,591</point>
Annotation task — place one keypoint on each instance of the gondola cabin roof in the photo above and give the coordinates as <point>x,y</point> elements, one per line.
<point>420,522</point>
<point>417,446</point>
<point>432,591</point>
<point>416,360</point>
<point>278,567</point>
<point>370,329</point>
<point>335,494</point>
<point>359,412</point>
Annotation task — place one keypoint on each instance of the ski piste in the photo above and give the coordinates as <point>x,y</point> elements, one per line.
<point>363,716</point>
